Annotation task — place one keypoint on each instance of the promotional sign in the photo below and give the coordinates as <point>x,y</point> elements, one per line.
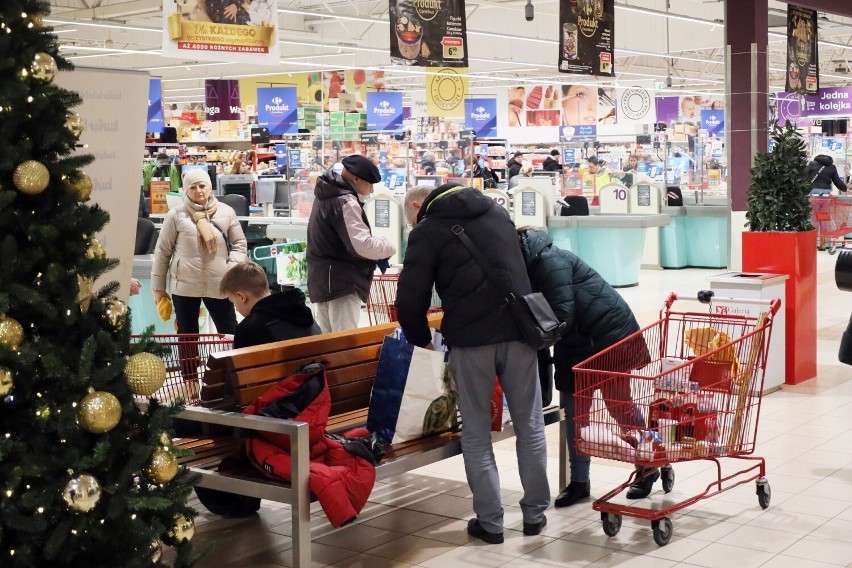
<point>713,121</point>
<point>635,106</point>
<point>428,33</point>
<point>222,99</point>
<point>586,37</point>
<point>577,133</point>
<point>561,105</point>
<point>384,110</point>
<point>802,52</point>
<point>687,109</point>
<point>480,115</point>
<point>446,90</point>
<point>155,106</point>
<point>829,102</point>
<point>221,31</point>
<point>281,157</point>
<point>295,158</point>
<point>277,110</point>
<point>788,107</point>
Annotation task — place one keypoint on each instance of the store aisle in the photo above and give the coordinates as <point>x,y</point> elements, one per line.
<point>418,519</point>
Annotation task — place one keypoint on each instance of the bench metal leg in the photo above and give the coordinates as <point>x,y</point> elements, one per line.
<point>301,506</point>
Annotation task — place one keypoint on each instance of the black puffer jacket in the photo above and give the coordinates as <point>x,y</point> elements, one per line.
<point>551,165</point>
<point>279,316</point>
<point>474,310</point>
<point>597,315</point>
<point>513,168</point>
<point>823,172</point>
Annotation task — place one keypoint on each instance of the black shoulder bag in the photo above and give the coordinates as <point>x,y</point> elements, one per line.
<point>532,314</point>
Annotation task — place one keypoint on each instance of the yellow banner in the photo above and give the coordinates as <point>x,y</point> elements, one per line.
<point>210,36</point>
<point>446,90</point>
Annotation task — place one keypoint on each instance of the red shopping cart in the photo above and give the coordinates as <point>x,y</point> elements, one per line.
<point>833,221</point>
<point>687,387</point>
<point>381,304</point>
<point>186,361</point>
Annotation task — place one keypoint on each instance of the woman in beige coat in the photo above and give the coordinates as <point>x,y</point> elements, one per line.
<point>199,240</point>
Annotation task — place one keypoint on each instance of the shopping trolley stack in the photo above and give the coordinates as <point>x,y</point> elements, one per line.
<point>832,219</point>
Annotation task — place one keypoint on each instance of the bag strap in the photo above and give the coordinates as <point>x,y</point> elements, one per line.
<point>224,235</point>
<point>817,174</point>
<point>458,231</point>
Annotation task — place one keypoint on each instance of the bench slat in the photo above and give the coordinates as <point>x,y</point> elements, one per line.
<point>335,376</point>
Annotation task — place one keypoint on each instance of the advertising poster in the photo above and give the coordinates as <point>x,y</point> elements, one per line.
<point>802,53</point>
<point>280,157</point>
<point>155,106</point>
<point>222,99</point>
<point>221,31</point>
<point>277,110</point>
<point>586,32</point>
<point>428,33</point>
<point>568,106</point>
<point>480,115</point>
<point>713,121</point>
<point>687,108</point>
<point>384,111</point>
<point>446,90</point>
<point>635,106</point>
<point>829,102</point>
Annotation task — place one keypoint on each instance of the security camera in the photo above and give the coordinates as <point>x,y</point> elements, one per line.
<point>529,11</point>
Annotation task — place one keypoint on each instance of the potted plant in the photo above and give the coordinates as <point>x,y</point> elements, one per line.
<point>781,239</point>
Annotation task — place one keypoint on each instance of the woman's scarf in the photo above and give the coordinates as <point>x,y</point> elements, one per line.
<point>201,216</point>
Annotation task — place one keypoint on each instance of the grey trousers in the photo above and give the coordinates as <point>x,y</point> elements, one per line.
<point>474,369</point>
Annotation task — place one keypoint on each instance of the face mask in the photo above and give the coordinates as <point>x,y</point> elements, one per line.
<point>481,163</point>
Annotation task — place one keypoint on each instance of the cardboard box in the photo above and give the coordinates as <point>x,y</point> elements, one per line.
<point>347,102</point>
<point>157,191</point>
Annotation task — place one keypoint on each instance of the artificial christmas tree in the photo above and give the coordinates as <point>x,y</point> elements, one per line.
<point>87,478</point>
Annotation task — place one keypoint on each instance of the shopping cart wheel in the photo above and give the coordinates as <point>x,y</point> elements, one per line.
<point>667,476</point>
<point>832,250</point>
<point>764,492</point>
<point>662,531</point>
<point>611,523</point>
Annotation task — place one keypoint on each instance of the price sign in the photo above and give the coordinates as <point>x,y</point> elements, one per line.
<point>453,47</point>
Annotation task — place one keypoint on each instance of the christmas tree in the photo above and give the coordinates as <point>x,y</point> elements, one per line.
<point>88,478</point>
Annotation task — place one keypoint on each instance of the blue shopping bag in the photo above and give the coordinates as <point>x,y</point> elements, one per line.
<point>412,395</point>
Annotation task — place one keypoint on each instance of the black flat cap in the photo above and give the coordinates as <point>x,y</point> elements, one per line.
<point>362,167</point>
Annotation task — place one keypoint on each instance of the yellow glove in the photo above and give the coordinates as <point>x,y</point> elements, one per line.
<point>164,308</point>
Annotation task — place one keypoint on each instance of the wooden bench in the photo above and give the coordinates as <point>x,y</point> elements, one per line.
<point>237,377</point>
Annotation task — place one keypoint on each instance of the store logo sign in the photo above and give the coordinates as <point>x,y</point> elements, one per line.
<point>635,103</point>
<point>384,110</point>
<point>277,106</point>
<point>276,109</point>
<point>480,114</point>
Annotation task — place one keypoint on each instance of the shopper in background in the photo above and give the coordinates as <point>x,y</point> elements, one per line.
<point>484,340</point>
<point>822,173</point>
<point>240,167</point>
<point>600,171</point>
<point>455,161</point>
<point>342,251</point>
<point>478,168</point>
<point>513,166</point>
<point>597,317</point>
<point>631,170</point>
<point>427,163</point>
<point>267,317</point>
<point>551,163</point>
<point>199,239</point>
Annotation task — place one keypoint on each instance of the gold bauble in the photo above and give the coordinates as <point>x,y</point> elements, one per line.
<point>165,440</point>
<point>85,295</point>
<point>145,373</point>
<point>156,551</point>
<point>31,177</point>
<point>80,184</point>
<point>115,312</point>
<point>7,382</point>
<point>163,467</point>
<point>183,529</point>
<point>82,493</point>
<point>36,21</point>
<point>74,123</point>
<point>11,333</point>
<point>43,67</point>
<point>99,412</point>
<point>96,250</point>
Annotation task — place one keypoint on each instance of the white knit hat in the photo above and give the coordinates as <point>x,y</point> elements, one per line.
<point>195,175</point>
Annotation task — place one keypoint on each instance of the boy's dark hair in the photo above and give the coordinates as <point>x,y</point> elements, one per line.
<point>246,277</point>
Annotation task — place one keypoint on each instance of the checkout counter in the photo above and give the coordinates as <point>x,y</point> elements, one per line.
<point>698,236</point>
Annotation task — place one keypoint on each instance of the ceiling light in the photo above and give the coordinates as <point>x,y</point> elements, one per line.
<point>669,15</point>
<point>115,26</point>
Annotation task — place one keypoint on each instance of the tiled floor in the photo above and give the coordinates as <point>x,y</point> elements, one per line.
<point>418,519</point>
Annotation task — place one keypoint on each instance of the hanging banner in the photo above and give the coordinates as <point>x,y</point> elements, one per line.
<point>277,110</point>
<point>446,90</point>
<point>384,111</point>
<point>480,115</point>
<point>428,33</point>
<point>802,52</point>
<point>562,105</point>
<point>686,109</point>
<point>221,31</point>
<point>280,157</point>
<point>586,37</point>
<point>222,99</point>
<point>713,121</point>
<point>155,106</point>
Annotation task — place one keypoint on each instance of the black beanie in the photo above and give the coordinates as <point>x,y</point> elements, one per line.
<point>362,167</point>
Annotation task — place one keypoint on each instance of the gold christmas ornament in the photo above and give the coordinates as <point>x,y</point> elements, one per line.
<point>74,123</point>
<point>145,373</point>
<point>163,467</point>
<point>84,293</point>
<point>183,529</point>
<point>36,21</point>
<point>99,412</point>
<point>115,312</point>
<point>43,67</point>
<point>7,382</point>
<point>165,440</point>
<point>156,551</point>
<point>82,493</point>
<point>80,184</point>
<point>11,333</point>
<point>96,250</point>
<point>31,177</point>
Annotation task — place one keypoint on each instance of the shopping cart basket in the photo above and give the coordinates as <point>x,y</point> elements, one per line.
<point>186,361</point>
<point>381,304</point>
<point>833,221</point>
<point>687,387</point>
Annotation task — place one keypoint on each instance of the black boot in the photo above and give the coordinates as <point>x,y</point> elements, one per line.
<point>643,484</point>
<point>576,491</point>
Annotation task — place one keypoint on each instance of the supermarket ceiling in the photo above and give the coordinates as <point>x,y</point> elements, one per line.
<point>685,42</point>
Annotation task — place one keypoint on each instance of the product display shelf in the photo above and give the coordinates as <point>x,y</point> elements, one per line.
<point>497,153</point>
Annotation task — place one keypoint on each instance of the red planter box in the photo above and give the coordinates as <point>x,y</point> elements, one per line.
<point>793,254</point>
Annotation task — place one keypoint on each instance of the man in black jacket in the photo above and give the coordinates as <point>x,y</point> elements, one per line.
<point>822,173</point>
<point>484,342</point>
<point>551,163</point>
<point>513,166</point>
